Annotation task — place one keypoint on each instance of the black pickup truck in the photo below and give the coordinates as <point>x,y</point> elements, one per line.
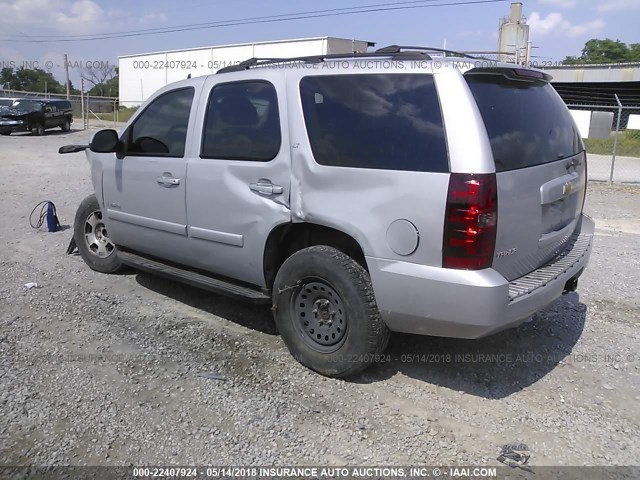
<point>35,115</point>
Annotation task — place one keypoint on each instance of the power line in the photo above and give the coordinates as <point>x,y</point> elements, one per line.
<point>253,21</point>
<point>282,15</point>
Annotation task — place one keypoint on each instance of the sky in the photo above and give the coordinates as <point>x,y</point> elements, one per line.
<point>557,27</point>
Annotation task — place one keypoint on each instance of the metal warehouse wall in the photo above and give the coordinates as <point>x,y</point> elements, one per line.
<point>594,93</point>
<point>614,73</point>
<point>141,75</point>
<point>600,96</point>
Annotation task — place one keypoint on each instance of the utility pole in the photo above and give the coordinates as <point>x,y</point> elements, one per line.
<point>66,69</point>
<point>84,123</point>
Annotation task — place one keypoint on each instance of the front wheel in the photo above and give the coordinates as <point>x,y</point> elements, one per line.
<point>92,239</point>
<point>66,126</point>
<point>326,312</point>
<point>37,130</point>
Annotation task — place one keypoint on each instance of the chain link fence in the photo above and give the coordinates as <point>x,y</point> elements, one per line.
<point>616,157</point>
<point>88,111</point>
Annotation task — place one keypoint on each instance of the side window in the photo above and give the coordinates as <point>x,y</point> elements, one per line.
<point>242,122</point>
<point>161,130</point>
<point>377,121</point>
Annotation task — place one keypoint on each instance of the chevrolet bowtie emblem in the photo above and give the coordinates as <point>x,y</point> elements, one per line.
<point>567,188</point>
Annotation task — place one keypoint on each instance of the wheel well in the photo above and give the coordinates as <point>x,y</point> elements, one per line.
<point>287,239</point>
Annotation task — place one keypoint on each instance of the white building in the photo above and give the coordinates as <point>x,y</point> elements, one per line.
<point>141,75</point>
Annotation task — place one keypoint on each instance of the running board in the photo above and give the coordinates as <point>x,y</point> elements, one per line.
<point>192,278</point>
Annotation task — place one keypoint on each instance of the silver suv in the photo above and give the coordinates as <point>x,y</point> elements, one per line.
<point>357,195</point>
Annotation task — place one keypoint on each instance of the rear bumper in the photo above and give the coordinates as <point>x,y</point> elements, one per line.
<point>471,304</point>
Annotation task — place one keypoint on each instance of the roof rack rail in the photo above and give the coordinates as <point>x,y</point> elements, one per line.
<point>395,51</point>
<point>258,62</point>
<point>391,49</point>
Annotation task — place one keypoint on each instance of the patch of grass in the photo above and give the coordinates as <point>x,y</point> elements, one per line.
<point>124,114</point>
<point>628,144</point>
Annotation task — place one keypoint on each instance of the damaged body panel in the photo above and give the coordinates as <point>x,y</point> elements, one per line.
<point>357,199</point>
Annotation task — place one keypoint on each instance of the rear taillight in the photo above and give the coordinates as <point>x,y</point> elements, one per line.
<point>586,182</point>
<point>471,219</point>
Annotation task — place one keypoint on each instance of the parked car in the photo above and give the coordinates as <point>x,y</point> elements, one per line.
<point>35,115</point>
<point>429,197</point>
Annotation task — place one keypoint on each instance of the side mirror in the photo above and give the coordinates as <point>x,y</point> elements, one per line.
<point>47,109</point>
<point>72,148</point>
<point>105,141</point>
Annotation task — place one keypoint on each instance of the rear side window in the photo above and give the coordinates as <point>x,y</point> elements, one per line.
<point>242,122</point>
<point>387,121</point>
<point>527,122</point>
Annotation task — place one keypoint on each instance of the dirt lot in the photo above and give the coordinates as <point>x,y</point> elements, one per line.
<point>99,369</point>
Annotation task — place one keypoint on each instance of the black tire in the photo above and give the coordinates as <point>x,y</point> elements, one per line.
<point>37,130</point>
<point>66,126</point>
<point>298,297</point>
<point>92,240</point>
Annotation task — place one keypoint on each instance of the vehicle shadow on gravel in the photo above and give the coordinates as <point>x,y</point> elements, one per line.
<point>255,317</point>
<point>493,367</point>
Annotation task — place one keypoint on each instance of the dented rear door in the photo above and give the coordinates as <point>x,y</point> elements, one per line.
<point>238,184</point>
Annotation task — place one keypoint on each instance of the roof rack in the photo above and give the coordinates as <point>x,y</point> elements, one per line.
<point>398,52</point>
<point>391,49</point>
<point>259,62</point>
<point>395,51</point>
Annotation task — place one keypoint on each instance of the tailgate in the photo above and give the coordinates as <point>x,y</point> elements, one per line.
<point>540,164</point>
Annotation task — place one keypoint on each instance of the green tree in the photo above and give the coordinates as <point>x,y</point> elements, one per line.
<point>104,78</point>
<point>30,80</point>
<point>634,52</point>
<point>605,51</point>
<point>72,89</point>
<point>110,88</point>
<point>6,75</point>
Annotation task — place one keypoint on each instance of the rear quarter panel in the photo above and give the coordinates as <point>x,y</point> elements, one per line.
<point>360,202</point>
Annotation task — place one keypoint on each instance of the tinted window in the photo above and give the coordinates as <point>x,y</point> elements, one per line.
<point>5,103</point>
<point>389,121</point>
<point>161,130</point>
<point>242,122</point>
<point>28,105</point>
<point>62,105</point>
<point>527,122</point>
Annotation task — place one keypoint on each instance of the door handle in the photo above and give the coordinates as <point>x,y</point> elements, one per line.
<point>265,187</point>
<point>168,180</point>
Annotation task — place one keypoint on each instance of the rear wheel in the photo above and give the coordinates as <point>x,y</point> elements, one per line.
<point>37,130</point>
<point>326,312</point>
<point>92,239</point>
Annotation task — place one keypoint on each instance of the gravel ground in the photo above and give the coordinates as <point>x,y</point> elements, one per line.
<point>112,370</point>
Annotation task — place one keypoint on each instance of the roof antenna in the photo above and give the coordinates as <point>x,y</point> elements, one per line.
<point>188,76</point>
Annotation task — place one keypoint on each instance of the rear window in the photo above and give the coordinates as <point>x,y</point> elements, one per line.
<point>527,122</point>
<point>388,121</point>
